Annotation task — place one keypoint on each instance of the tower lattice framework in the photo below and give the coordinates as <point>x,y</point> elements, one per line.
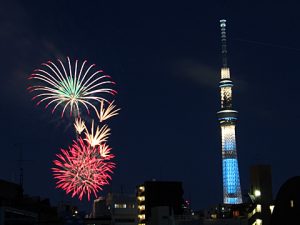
<point>228,117</point>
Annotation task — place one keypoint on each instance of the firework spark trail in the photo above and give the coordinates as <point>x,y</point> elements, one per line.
<point>98,137</point>
<point>83,169</point>
<point>79,125</point>
<point>66,87</point>
<point>105,114</point>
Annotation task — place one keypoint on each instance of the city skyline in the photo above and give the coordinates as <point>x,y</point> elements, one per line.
<point>165,59</point>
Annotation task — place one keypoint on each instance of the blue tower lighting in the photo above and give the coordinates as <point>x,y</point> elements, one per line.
<point>228,117</point>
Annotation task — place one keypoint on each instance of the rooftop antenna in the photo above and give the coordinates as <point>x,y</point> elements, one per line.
<point>20,164</point>
<point>19,146</point>
<point>21,167</point>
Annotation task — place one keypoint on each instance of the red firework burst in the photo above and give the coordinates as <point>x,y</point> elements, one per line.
<point>83,169</point>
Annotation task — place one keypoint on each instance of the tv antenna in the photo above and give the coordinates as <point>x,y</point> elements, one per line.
<point>19,146</point>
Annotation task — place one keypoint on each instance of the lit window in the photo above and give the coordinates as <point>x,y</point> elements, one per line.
<point>142,188</point>
<point>120,206</point>
<point>292,203</point>
<point>141,198</point>
<point>257,193</point>
<point>258,208</point>
<point>141,207</point>
<point>258,222</point>
<point>271,208</point>
<point>141,216</point>
<point>236,213</point>
<point>213,216</point>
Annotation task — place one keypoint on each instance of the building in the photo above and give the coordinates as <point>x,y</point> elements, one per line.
<point>261,183</point>
<point>260,194</point>
<point>287,203</point>
<point>16,208</point>
<point>70,213</point>
<point>100,208</point>
<point>123,208</point>
<point>14,216</point>
<point>227,117</point>
<point>153,194</point>
<point>115,208</point>
<point>162,215</point>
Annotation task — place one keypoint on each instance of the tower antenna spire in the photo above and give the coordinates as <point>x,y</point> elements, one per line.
<point>224,42</point>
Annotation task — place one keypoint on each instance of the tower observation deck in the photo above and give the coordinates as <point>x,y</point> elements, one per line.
<point>227,117</point>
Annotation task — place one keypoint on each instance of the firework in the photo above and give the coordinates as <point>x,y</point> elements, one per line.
<point>97,137</point>
<point>79,125</point>
<point>105,114</point>
<point>83,169</point>
<point>70,86</point>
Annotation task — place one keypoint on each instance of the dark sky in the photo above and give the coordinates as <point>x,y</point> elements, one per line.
<point>165,58</point>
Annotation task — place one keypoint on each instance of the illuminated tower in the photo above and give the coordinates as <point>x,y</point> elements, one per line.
<point>227,118</point>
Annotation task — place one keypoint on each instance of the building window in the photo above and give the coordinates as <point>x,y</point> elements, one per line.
<point>141,207</point>
<point>141,198</point>
<point>141,216</point>
<point>213,216</point>
<point>120,206</point>
<point>258,222</point>
<point>258,208</point>
<point>236,213</point>
<point>271,208</point>
<point>257,193</point>
<point>142,188</point>
<point>292,203</point>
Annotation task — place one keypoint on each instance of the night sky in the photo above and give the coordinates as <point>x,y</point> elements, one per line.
<point>165,58</point>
